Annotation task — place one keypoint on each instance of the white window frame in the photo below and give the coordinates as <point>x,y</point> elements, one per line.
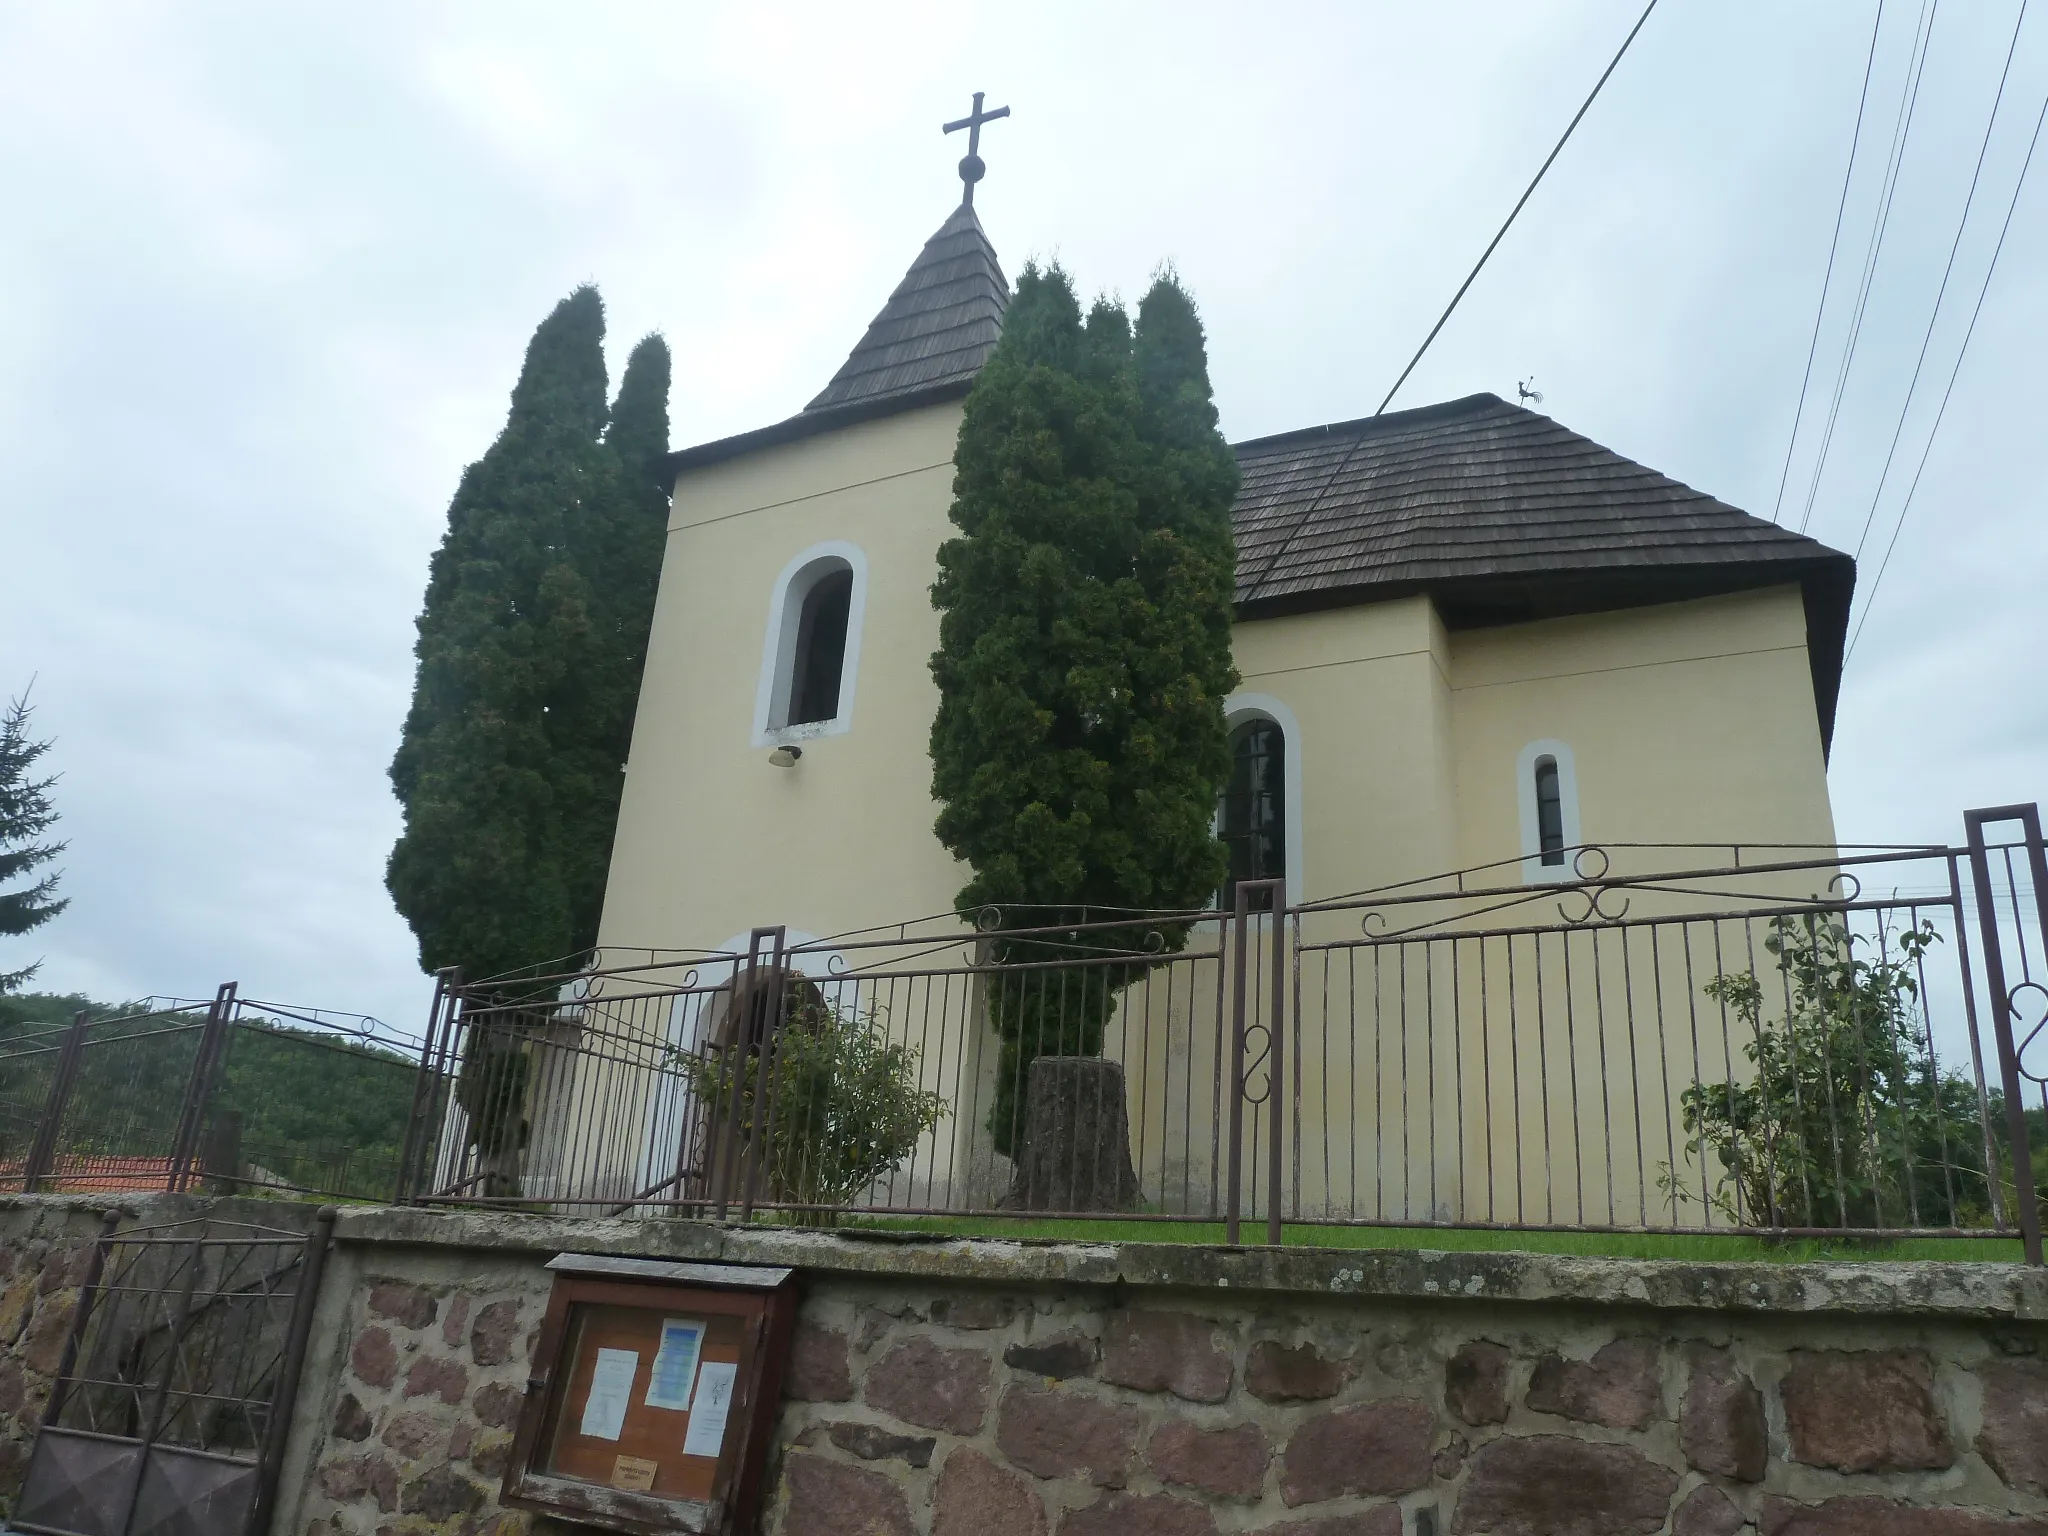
<point>1534,870</point>
<point>778,646</point>
<point>1237,709</point>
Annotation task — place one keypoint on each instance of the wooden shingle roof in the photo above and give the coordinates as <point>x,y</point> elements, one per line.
<point>1504,516</point>
<point>938,327</point>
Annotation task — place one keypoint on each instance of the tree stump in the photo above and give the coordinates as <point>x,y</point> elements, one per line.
<point>1076,1152</point>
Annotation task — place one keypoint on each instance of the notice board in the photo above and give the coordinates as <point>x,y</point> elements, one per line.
<point>653,1394</point>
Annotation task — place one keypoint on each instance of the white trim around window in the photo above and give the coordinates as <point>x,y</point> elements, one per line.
<point>1534,870</point>
<point>1237,709</point>
<point>778,646</point>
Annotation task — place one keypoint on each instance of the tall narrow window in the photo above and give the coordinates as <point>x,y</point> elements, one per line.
<point>820,650</point>
<point>1254,811</point>
<point>1549,811</point>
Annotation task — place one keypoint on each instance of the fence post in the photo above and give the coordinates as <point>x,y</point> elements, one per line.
<point>1276,1078</point>
<point>42,1156</point>
<point>2002,998</point>
<point>446,980</point>
<point>199,1088</point>
<point>1240,955</point>
<point>270,1461</point>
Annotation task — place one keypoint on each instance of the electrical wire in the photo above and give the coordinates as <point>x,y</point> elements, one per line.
<point>1902,133</point>
<point>1526,195</point>
<point>1969,332</point>
<point>1942,292</point>
<point>1827,281</point>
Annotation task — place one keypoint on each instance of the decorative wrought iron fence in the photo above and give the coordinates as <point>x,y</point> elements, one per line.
<point>1665,1038</point>
<point>232,1095</point>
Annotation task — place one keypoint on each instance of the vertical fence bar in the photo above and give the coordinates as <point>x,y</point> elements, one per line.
<point>1276,1076</point>
<point>408,1182</point>
<point>42,1156</point>
<point>1235,1154</point>
<point>2029,1212</point>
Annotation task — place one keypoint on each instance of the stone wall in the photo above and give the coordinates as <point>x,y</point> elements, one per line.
<point>45,1246</point>
<point>950,1388</point>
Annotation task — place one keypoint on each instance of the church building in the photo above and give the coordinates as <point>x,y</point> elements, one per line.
<point>1468,636</point>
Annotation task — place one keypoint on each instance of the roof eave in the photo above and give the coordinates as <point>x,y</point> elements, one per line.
<point>810,423</point>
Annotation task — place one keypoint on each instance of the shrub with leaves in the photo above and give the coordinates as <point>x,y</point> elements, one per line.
<point>840,1106</point>
<point>1844,1120</point>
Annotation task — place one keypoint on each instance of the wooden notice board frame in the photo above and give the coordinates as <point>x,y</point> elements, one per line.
<point>632,1473</point>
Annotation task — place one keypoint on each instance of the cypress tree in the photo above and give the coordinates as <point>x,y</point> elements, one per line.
<point>1084,652</point>
<point>617,546</point>
<point>25,815</point>
<point>482,870</point>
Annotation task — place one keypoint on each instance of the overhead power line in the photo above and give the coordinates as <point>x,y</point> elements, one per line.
<point>1526,195</point>
<point>1902,133</point>
<point>1941,293</point>
<point>1970,331</point>
<point>1834,242</point>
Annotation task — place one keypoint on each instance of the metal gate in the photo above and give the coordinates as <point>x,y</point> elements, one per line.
<point>171,1407</point>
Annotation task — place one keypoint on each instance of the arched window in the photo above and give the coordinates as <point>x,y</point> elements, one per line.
<point>1253,821</point>
<point>812,654</point>
<point>1547,795</point>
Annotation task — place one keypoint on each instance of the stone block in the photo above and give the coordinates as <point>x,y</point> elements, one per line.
<point>1868,1411</point>
<point>374,1358</point>
<point>440,1494</point>
<point>934,1388</point>
<point>1276,1373</point>
<point>974,1312</point>
<point>818,1371</point>
<point>432,1376</point>
<point>1617,1389</point>
<point>498,1405</point>
<point>1058,1359</point>
<point>352,1421</point>
<point>13,1386</point>
<point>351,1479</point>
<point>490,1451</point>
<point>1476,1383</point>
<point>494,1332</point>
<point>1376,1448</point>
<point>1552,1485</point>
<point>1721,1420</point>
<point>42,1342</point>
<point>410,1306</point>
<point>1707,1511</point>
<point>1866,1515</point>
<point>1165,1352</point>
<point>828,1499</point>
<point>1123,1514</point>
<point>456,1323</point>
<point>1231,1462</point>
<point>2014,1438</point>
<point>975,1497</point>
<point>415,1435</point>
<point>871,1442</point>
<point>1052,1433</point>
<point>1380,1520</point>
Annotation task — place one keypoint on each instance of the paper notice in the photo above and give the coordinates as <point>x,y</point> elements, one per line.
<point>675,1364</point>
<point>708,1412</point>
<point>611,1388</point>
<point>634,1472</point>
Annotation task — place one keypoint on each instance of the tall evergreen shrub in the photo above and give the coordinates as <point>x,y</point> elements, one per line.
<point>1084,653</point>
<point>26,814</point>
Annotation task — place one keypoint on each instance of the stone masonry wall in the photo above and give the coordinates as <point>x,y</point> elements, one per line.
<point>44,1249</point>
<point>952,1388</point>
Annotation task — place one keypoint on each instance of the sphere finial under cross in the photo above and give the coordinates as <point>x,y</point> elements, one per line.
<point>972,166</point>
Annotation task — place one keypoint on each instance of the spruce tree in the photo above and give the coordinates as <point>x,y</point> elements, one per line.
<point>1084,652</point>
<point>483,870</point>
<point>25,815</point>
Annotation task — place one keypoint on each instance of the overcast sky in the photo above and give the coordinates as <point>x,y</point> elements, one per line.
<point>268,272</point>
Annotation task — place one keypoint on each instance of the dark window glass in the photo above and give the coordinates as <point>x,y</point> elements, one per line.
<point>1255,809</point>
<point>1549,811</point>
<point>820,650</point>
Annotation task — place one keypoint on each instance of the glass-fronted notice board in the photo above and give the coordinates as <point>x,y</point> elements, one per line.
<point>653,1393</point>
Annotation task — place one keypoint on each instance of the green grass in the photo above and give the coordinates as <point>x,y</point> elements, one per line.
<point>1612,1245</point>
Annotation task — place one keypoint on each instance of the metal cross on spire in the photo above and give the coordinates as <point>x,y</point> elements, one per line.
<point>971,167</point>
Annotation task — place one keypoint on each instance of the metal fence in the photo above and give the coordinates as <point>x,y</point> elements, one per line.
<point>1683,1039</point>
<point>231,1095</point>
